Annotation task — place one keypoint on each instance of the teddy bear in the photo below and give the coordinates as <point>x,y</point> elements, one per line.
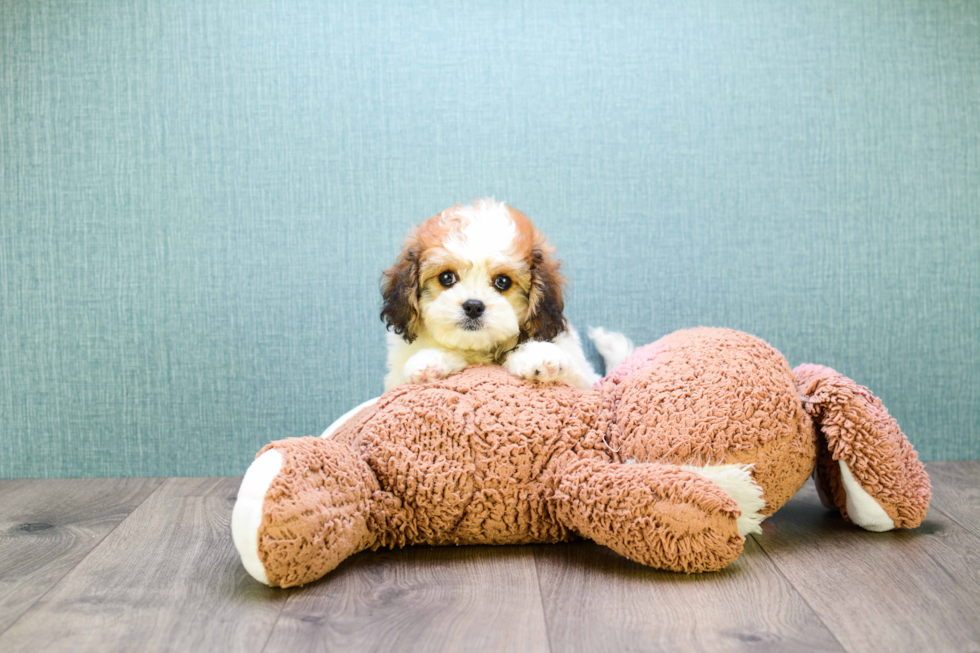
<point>671,460</point>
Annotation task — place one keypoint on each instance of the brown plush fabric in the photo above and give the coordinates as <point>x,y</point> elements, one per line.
<point>711,396</point>
<point>484,457</point>
<point>857,429</point>
<point>349,429</point>
<point>467,460</point>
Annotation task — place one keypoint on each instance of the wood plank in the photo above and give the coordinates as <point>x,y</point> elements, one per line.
<point>596,600</point>
<point>915,590</point>
<point>168,578</point>
<point>419,599</point>
<point>48,526</point>
<point>956,491</point>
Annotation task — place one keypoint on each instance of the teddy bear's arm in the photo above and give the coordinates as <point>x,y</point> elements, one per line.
<point>660,515</point>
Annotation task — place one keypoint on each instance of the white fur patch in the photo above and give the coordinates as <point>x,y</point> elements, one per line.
<point>246,517</point>
<point>488,233</point>
<point>612,346</point>
<point>737,481</point>
<point>862,509</point>
<point>580,374</point>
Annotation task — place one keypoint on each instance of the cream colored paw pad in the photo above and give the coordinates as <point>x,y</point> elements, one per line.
<point>862,509</point>
<point>246,518</point>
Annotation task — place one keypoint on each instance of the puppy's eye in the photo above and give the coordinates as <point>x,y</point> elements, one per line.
<point>502,282</point>
<point>447,278</point>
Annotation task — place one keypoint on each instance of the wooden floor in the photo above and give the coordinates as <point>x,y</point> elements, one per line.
<point>148,565</point>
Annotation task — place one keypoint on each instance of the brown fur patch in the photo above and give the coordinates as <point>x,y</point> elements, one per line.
<point>401,284</point>
<point>400,293</point>
<point>544,318</point>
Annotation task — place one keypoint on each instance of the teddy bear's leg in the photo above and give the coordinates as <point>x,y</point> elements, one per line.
<point>303,507</point>
<point>660,515</point>
<point>865,466</point>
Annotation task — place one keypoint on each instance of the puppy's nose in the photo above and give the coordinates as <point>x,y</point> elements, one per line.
<point>473,308</point>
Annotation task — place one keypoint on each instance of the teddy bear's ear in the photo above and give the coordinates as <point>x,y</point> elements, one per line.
<point>545,319</point>
<point>400,292</point>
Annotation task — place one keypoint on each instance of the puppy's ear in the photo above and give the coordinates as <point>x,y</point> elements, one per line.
<point>545,319</point>
<point>400,291</point>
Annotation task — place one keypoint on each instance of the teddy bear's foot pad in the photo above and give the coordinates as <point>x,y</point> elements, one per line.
<point>247,514</point>
<point>862,509</point>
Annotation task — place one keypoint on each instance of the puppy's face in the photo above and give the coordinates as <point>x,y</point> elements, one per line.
<point>474,295</point>
<point>477,278</point>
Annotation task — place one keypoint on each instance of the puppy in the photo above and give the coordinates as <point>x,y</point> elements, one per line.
<point>479,284</point>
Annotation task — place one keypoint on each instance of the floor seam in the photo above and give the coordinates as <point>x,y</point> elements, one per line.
<point>275,624</point>
<point>544,611</point>
<point>800,594</point>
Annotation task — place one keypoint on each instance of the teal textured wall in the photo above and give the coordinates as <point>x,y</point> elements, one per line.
<point>197,199</point>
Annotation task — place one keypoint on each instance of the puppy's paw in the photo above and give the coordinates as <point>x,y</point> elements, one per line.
<point>430,365</point>
<point>539,361</point>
